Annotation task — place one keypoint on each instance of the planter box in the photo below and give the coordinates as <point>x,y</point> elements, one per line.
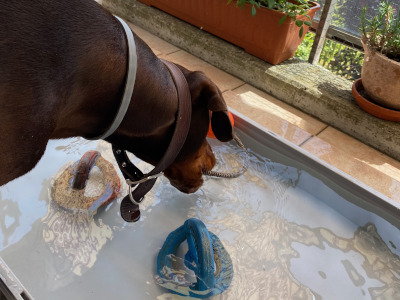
<point>260,35</point>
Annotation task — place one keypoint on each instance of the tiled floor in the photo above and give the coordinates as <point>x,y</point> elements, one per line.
<point>362,162</point>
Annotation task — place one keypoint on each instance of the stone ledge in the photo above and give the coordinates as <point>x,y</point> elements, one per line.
<point>309,88</point>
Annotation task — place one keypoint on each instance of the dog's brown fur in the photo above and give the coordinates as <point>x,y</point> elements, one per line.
<point>62,71</point>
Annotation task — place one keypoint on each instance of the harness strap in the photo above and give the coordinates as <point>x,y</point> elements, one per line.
<point>129,205</point>
<point>129,83</point>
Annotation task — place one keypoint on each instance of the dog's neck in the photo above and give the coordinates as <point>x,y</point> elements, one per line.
<point>150,119</point>
<point>93,102</point>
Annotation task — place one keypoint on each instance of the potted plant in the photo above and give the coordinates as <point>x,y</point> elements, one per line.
<point>380,74</point>
<point>269,29</point>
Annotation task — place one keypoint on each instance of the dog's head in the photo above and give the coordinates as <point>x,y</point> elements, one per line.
<point>196,155</point>
<point>152,135</point>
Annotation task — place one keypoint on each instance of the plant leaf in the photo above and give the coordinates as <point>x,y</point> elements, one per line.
<point>271,4</point>
<point>301,32</point>
<point>308,23</point>
<point>253,10</point>
<point>299,23</point>
<point>282,20</point>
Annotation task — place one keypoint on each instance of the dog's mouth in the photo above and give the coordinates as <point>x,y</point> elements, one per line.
<point>187,189</point>
<point>187,176</point>
<point>186,183</point>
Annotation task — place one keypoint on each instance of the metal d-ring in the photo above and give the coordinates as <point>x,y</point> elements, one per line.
<point>144,179</point>
<point>131,197</point>
<point>131,184</point>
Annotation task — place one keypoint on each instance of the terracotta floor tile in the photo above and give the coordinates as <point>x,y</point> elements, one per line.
<point>362,162</point>
<point>159,46</point>
<point>273,114</point>
<point>223,80</point>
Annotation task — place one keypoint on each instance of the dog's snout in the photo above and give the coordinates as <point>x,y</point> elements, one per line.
<point>187,175</point>
<point>187,189</point>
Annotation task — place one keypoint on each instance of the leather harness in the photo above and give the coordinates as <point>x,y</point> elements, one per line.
<point>140,184</point>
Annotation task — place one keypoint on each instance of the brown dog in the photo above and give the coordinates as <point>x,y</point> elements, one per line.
<point>62,71</point>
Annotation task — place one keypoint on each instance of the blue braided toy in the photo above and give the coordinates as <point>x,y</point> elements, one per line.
<point>206,257</point>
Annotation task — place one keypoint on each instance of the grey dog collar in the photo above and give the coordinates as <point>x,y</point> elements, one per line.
<point>129,85</point>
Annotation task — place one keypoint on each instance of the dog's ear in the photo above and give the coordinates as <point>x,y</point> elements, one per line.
<point>220,122</point>
<point>206,91</point>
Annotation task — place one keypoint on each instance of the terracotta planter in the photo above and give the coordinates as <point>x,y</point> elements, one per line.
<point>260,35</point>
<point>381,78</point>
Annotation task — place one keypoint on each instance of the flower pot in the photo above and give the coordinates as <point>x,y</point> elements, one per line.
<point>381,78</point>
<point>260,35</point>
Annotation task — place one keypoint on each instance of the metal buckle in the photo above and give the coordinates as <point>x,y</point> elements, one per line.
<point>136,182</point>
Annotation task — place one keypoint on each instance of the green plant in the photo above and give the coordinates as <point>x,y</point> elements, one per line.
<point>289,8</point>
<point>382,31</point>
<point>336,57</point>
<point>303,51</point>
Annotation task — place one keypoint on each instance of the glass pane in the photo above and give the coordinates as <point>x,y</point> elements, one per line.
<point>336,57</point>
<point>347,13</point>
